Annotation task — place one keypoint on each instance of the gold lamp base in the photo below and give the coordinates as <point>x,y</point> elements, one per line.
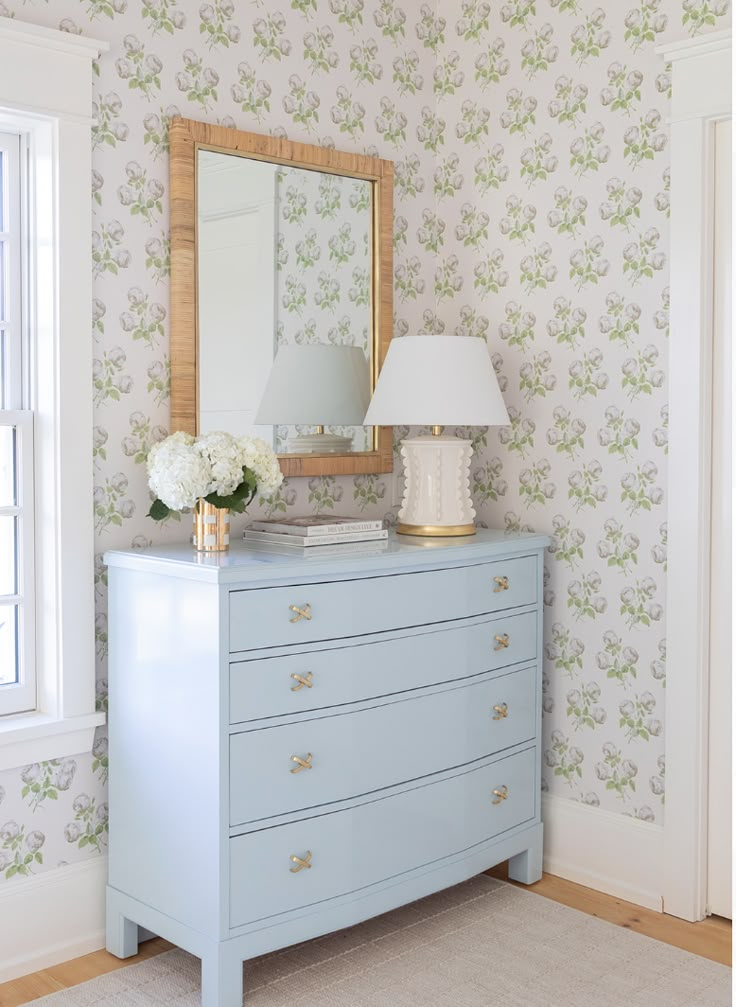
<point>436,530</point>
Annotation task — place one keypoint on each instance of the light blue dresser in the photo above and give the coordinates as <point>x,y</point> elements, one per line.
<point>298,742</point>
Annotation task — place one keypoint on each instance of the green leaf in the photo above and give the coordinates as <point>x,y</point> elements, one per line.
<point>159,511</point>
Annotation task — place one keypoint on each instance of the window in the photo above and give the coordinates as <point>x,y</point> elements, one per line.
<point>17,614</point>
<point>47,674</point>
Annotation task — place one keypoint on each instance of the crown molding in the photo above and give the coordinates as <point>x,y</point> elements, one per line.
<point>65,42</point>
<point>701,45</point>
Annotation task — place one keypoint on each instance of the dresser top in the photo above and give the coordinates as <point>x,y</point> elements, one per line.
<point>263,564</point>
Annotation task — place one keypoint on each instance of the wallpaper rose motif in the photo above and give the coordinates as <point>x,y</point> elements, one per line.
<point>532,198</point>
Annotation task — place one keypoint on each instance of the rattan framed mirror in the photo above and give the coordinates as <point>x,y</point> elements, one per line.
<point>222,324</point>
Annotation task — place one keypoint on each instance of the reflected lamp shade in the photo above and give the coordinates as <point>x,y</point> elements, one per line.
<point>437,381</point>
<point>317,385</point>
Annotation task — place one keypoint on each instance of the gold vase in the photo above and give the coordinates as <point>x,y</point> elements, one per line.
<point>211,527</point>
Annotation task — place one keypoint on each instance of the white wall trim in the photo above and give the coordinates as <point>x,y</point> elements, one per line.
<point>701,84</point>
<point>59,288</point>
<point>51,38</point>
<point>714,41</point>
<point>52,917</point>
<point>611,853</point>
<point>36,737</point>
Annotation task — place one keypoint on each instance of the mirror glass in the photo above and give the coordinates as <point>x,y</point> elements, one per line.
<point>284,264</point>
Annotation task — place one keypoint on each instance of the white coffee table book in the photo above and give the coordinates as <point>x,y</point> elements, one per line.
<point>298,745</point>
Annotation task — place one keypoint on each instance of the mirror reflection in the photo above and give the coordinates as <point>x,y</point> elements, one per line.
<point>284,301</point>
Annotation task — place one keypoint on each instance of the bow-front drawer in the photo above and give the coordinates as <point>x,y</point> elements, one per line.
<point>280,770</point>
<point>313,680</point>
<point>307,613</point>
<point>292,866</point>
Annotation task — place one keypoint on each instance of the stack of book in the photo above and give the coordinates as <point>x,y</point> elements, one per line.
<point>309,532</point>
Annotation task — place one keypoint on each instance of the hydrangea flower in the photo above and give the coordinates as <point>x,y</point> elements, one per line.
<point>225,470</point>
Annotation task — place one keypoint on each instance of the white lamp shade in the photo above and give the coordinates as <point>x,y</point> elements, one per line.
<point>437,380</point>
<point>323,385</point>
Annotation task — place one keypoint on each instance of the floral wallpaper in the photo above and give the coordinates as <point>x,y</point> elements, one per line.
<point>532,174</point>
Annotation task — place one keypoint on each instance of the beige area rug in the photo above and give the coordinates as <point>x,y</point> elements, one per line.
<point>481,944</point>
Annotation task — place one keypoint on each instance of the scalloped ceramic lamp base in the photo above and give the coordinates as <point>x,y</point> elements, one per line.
<point>211,527</point>
<point>437,491</point>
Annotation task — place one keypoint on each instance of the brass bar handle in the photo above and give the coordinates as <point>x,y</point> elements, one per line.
<point>302,863</point>
<point>502,641</point>
<point>502,584</point>
<point>500,794</point>
<point>301,681</point>
<point>301,613</point>
<point>500,710</point>
<point>301,763</point>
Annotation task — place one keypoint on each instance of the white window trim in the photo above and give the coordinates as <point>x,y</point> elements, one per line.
<point>21,695</point>
<point>701,95</point>
<point>57,121</point>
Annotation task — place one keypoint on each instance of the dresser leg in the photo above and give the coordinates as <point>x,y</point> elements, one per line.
<point>121,934</point>
<point>222,978</point>
<point>526,867</point>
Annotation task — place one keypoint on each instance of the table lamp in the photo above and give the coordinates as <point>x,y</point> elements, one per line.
<point>317,385</point>
<point>437,381</point>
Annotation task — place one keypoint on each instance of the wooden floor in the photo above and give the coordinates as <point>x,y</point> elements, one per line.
<point>711,938</point>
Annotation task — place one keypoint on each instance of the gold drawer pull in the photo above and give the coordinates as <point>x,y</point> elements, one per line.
<point>502,641</point>
<point>301,763</point>
<point>301,864</point>
<point>501,710</point>
<point>500,795</point>
<point>502,584</point>
<point>301,613</point>
<point>302,681</point>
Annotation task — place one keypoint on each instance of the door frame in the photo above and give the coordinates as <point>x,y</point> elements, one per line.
<point>701,95</point>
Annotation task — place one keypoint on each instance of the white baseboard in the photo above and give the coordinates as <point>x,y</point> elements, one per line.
<point>52,917</point>
<point>611,853</point>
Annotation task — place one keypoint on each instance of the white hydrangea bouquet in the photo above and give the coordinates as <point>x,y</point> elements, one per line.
<point>223,470</point>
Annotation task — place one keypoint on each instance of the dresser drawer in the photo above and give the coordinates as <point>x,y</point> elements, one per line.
<point>349,850</point>
<point>350,754</point>
<point>280,616</point>
<point>298,683</point>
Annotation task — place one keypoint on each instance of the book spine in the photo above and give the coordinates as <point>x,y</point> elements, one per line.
<point>253,535</point>
<point>359,536</point>
<point>303,540</point>
<point>306,532</point>
<point>345,529</point>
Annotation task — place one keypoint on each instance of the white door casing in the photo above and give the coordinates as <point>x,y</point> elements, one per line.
<point>701,96</point>
<point>718,882</point>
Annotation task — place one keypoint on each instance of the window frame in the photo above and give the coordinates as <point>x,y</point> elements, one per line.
<point>20,696</point>
<point>57,124</point>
